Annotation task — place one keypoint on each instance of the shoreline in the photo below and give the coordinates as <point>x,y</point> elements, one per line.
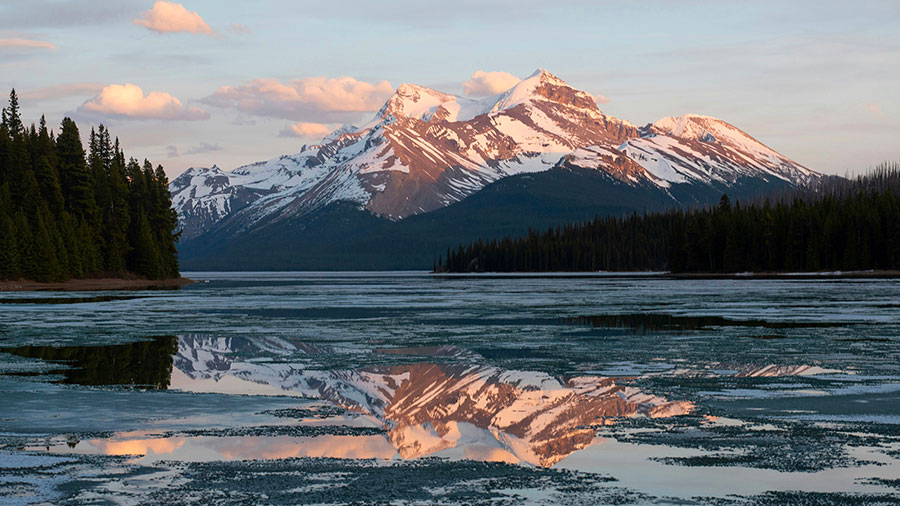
<point>94,285</point>
<point>788,275</point>
<point>888,274</point>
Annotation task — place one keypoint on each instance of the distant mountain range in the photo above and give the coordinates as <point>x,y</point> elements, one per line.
<point>431,170</point>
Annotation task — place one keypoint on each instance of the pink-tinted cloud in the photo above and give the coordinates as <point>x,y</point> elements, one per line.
<point>61,91</point>
<point>170,17</point>
<point>129,101</point>
<point>25,44</point>
<point>317,99</point>
<point>875,110</point>
<point>314,131</point>
<point>601,99</point>
<point>489,83</point>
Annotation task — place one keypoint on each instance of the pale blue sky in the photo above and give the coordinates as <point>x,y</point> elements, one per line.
<point>817,81</point>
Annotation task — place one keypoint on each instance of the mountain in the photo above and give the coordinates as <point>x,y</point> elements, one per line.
<point>455,402</point>
<point>426,151</point>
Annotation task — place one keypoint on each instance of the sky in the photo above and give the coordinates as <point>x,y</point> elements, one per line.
<point>205,82</point>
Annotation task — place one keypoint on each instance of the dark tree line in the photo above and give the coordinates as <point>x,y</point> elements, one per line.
<point>66,213</point>
<point>145,363</point>
<point>604,244</point>
<point>838,225</point>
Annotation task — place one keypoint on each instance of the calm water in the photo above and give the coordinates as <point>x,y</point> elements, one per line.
<point>335,388</point>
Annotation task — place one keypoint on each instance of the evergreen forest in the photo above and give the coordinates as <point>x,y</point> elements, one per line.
<point>69,213</point>
<point>838,225</point>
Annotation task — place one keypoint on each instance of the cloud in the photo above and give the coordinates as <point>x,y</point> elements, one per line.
<point>129,101</point>
<point>172,151</point>
<point>489,83</point>
<point>170,17</point>
<point>56,13</point>
<point>306,130</point>
<point>243,121</point>
<point>25,44</point>
<point>328,100</point>
<point>875,110</point>
<point>239,28</point>
<point>61,91</point>
<point>203,147</point>
<point>601,99</point>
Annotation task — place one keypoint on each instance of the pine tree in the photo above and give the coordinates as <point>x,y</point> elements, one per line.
<point>9,248</point>
<point>28,266</point>
<point>13,118</point>
<point>147,261</point>
<point>76,179</point>
<point>49,188</point>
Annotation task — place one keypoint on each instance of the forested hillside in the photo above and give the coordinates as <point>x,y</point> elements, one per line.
<point>65,213</point>
<point>838,225</point>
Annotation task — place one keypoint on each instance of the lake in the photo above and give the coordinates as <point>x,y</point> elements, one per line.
<point>332,388</point>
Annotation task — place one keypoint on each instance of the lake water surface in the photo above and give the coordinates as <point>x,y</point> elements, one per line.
<point>332,388</point>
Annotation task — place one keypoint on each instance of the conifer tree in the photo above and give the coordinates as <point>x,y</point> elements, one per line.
<point>9,249</point>
<point>77,182</point>
<point>13,119</point>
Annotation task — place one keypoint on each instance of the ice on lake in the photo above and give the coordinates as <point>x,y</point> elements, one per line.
<point>378,387</point>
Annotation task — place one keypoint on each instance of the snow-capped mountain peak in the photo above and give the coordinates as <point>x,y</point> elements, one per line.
<point>542,85</point>
<point>426,149</point>
<point>414,101</point>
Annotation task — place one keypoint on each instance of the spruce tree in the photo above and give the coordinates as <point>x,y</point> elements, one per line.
<point>147,262</point>
<point>77,181</point>
<point>9,249</point>
<point>13,117</point>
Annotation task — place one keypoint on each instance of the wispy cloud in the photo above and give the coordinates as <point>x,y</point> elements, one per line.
<point>239,28</point>
<point>243,121</point>
<point>314,131</point>
<point>25,44</point>
<point>129,101</point>
<point>19,15</point>
<point>203,147</point>
<point>318,99</point>
<point>601,99</point>
<point>172,151</point>
<point>489,83</point>
<point>61,91</point>
<point>170,17</point>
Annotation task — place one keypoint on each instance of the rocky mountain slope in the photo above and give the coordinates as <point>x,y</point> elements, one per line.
<point>425,150</point>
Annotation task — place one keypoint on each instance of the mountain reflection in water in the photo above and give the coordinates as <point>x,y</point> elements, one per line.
<point>457,402</point>
<point>452,403</point>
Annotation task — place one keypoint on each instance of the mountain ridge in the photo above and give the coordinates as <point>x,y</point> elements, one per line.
<point>425,150</point>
